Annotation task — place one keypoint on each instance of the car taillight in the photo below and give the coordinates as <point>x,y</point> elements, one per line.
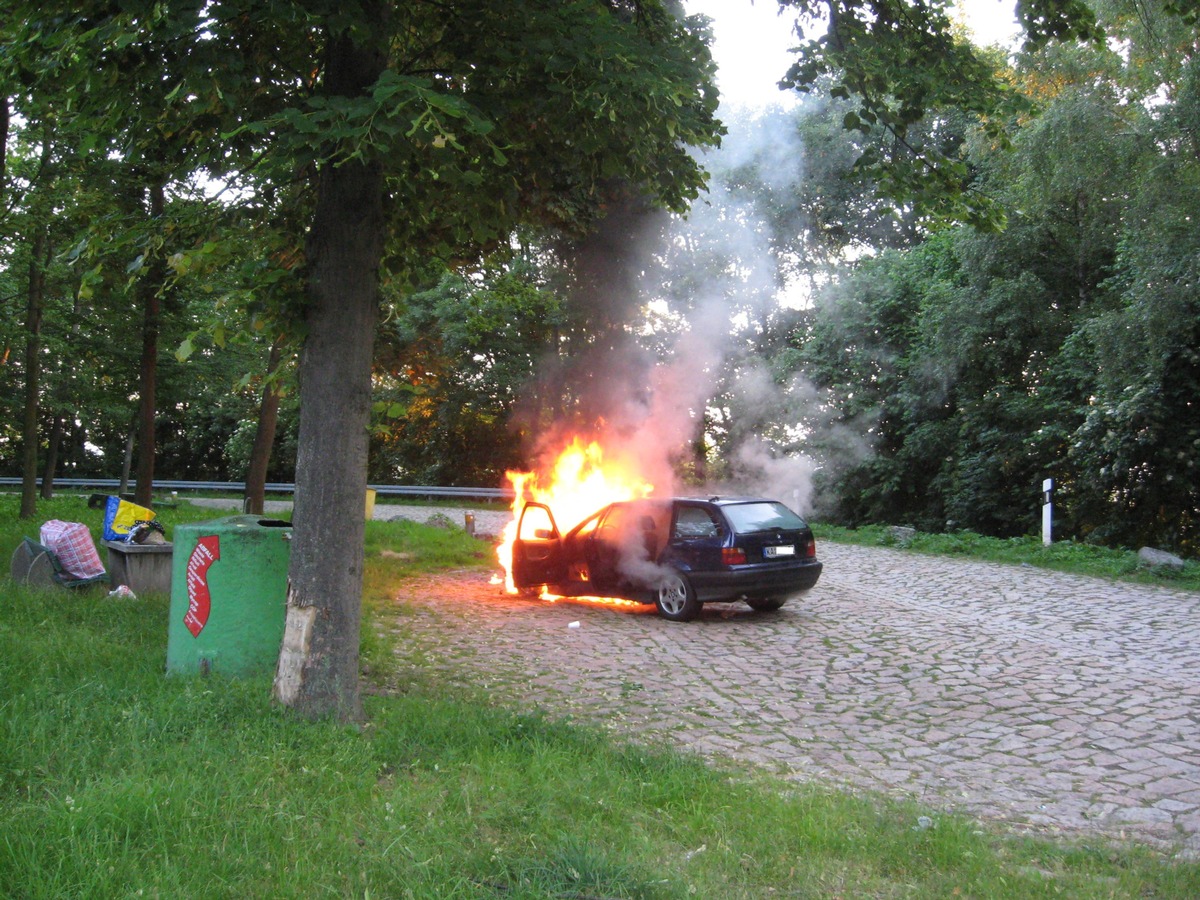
<point>733,556</point>
<point>810,549</point>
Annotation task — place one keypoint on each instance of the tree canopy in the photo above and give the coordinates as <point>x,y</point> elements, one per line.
<point>423,131</point>
<point>976,363</point>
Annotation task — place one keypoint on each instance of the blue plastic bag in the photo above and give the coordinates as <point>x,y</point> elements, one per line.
<point>120,516</point>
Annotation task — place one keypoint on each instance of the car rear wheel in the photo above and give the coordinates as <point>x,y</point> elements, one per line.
<point>675,598</point>
<point>766,604</point>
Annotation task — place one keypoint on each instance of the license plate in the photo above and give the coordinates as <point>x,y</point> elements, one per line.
<point>786,550</point>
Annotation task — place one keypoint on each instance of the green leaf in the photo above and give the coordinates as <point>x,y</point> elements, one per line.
<point>77,250</point>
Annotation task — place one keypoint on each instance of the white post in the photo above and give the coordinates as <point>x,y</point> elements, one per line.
<point>1047,510</point>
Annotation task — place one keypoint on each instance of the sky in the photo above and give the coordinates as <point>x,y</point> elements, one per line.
<point>752,43</point>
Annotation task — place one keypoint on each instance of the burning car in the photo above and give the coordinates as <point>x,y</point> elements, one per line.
<point>677,553</point>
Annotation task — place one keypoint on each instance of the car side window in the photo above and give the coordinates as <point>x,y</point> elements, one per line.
<point>536,524</point>
<point>613,524</point>
<point>587,527</point>
<point>694,522</point>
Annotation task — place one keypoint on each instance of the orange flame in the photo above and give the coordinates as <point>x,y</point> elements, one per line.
<point>580,482</point>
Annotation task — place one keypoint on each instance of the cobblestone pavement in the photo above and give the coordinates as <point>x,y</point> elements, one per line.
<point>1045,701</point>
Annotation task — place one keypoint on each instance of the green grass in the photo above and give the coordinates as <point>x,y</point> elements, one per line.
<point>119,781</point>
<point>1061,556</point>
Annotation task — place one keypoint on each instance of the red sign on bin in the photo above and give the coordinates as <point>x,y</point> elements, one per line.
<point>206,552</point>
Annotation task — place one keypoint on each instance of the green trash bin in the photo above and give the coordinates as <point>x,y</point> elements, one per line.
<point>228,596</point>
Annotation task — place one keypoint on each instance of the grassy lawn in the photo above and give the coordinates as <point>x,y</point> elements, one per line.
<point>118,781</point>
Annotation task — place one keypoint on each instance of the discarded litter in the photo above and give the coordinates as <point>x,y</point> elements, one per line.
<point>124,591</point>
<point>573,625</point>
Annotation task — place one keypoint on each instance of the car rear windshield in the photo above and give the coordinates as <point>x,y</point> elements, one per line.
<point>749,517</point>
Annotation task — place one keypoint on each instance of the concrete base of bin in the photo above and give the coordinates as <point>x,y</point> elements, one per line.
<point>145,568</point>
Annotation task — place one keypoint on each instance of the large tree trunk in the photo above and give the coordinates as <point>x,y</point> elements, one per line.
<point>318,664</point>
<point>58,430</point>
<point>35,299</point>
<point>127,460</point>
<point>150,289</point>
<point>5,118</point>
<point>52,445</point>
<point>264,435</point>
<point>39,260</point>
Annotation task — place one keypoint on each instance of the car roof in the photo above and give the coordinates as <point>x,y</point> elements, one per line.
<point>727,501</point>
<point>716,501</point>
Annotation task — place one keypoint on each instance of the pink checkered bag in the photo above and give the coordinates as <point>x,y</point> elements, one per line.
<point>72,543</point>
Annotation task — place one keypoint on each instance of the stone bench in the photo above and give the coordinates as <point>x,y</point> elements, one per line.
<point>144,568</point>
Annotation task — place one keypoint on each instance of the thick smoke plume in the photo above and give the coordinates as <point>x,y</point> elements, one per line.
<point>653,396</point>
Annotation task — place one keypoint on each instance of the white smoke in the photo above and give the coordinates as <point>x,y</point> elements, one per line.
<point>709,278</point>
<point>722,275</point>
<point>785,478</point>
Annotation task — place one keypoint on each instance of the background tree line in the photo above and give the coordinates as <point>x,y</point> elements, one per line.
<point>946,368</point>
<point>1065,345</point>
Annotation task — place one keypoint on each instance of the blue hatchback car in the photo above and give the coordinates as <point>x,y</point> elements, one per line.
<point>678,554</point>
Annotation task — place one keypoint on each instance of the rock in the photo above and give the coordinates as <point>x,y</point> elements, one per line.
<point>902,535</point>
<point>1151,557</point>
<point>1140,815</point>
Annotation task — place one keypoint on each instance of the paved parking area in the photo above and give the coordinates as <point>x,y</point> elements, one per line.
<point>1046,701</point>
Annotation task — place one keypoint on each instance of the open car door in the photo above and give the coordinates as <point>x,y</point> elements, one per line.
<point>537,551</point>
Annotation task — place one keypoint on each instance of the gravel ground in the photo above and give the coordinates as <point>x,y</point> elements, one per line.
<point>1047,702</point>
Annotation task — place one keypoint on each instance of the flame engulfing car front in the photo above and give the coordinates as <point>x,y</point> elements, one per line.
<point>679,553</point>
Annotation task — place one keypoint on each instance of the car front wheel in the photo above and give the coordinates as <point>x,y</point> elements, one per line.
<point>675,598</point>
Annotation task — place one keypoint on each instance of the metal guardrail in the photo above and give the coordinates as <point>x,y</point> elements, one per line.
<point>381,490</point>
